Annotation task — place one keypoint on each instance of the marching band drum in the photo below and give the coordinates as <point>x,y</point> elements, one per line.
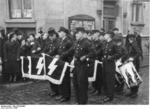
<point>128,72</point>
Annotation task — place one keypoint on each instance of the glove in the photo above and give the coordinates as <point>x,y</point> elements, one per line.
<point>82,58</point>
<point>18,59</point>
<point>57,56</point>
<point>131,59</point>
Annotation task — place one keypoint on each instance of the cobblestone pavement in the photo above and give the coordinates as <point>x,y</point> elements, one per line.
<point>36,92</point>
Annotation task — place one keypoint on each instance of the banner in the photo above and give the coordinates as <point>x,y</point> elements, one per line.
<point>51,69</point>
<point>44,68</point>
<point>92,68</point>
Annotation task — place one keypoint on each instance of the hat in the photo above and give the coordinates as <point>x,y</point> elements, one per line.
<point>131,36</point>
<point>16,31</point>
<point>63,29</point>
<point>115,29</point>
<point>51,30</point>
<point>95,31</point>
<point>80,29</point>
<point>102,30</point>
<point>11,35</point>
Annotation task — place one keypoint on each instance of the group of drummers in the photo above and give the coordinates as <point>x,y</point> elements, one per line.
<point>81,45</point>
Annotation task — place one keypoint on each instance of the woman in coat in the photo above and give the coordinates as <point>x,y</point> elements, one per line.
<point>11,56</point>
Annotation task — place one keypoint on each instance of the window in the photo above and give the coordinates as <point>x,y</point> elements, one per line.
<point>87,25</point>
<point>85,21</point>
<point>137,12</point>
<point>20,9</point>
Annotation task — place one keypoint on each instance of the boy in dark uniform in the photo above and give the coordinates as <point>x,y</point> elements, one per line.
<point>45,43</point>
<point>65,54</point>
<point>134,51</point>
<point>83,51</point>
<point>52,51</point>
<point>97,45</point>
<point>110,54</point>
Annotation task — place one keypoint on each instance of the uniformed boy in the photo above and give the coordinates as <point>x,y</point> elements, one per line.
<point>110,54</point>
<point>134,52</point>
<point>97,45</point>
<point>65,54</point>
<point>52,51</point>
<point>82,52</point>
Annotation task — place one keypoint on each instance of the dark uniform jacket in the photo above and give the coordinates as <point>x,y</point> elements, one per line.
<point>97,45</point>
<point>45,45</point>
<point>133,50</point>
<point>81,72</point>
<point>53,47</point>
<point>83,48</point>
<point>111,52</point>
<point>65,49</point>
<point>138,40</point>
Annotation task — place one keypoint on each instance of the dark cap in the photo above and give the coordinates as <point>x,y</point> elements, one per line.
<point>80,29</point>
<point>95,31</point>
<point>115,29</point>
<point>63,29</point>
<point>102,30</point>
<point>16,31</point>
<point>51,30</point>
<point>11,35</point>
<point>131,36</point>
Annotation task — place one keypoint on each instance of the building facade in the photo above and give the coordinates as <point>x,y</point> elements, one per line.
<point>29,15</point>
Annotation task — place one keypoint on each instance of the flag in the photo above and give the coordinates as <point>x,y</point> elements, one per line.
<point>92,70</point>
<point>33,67</point>
<point>44,68</point>
<point>55,69</point>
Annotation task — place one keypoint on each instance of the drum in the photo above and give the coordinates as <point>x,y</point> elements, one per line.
<point>128,72</point>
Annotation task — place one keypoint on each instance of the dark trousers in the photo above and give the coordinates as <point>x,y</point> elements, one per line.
<point>134,90</point>
<point>136,62</point>
<point>80,81</point>
<point>19,74</point>
<point>65,87</point>
<point>54,88</point>
<point>109,77</point>
<point>97,85</point>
